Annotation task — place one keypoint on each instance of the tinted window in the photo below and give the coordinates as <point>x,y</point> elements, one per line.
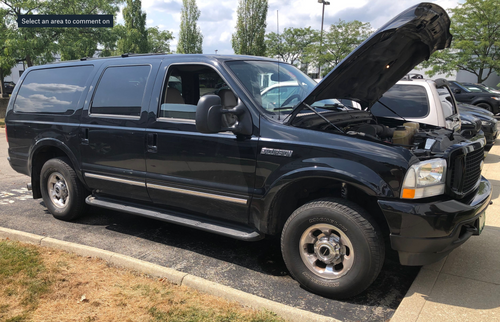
<point>406,100</point>
<point>54,90</point>
<point>184,87</point>
<point>120,90</point>
<point>475,89</point>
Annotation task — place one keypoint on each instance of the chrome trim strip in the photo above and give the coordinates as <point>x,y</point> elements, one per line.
<point>115,116</point>
<point>198,194</point>
<point>101,177</point>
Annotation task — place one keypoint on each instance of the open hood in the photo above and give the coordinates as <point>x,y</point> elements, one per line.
<point>385,57</point>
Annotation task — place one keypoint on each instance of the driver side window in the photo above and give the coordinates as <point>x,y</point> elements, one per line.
<point>183,87</point>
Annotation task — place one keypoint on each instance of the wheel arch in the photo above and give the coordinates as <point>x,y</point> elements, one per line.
<point>299,187</point>
<point>44,150</point>
<point>484,102</point>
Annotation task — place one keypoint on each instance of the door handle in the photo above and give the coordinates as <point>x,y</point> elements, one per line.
<point>152,139</point>
<point>85,137</point>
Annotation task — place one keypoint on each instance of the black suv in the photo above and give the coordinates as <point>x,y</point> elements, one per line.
<point>476,96</point>
<point>247,147</point>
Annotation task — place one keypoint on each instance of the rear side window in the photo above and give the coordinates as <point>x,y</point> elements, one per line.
<point>53,90</point>
<point>406,100</point>
<point>120,90</point>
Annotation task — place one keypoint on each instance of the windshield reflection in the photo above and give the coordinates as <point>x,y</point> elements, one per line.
<point>276,87</point>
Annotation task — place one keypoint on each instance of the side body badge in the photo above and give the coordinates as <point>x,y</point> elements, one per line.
<point>277,152</point>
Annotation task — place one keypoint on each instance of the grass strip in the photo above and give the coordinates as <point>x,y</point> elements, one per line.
<point>40,284</point>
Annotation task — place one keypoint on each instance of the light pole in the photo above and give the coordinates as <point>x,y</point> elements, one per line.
<point>325,3</point>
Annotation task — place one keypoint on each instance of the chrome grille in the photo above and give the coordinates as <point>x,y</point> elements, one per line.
<point>465,169</point>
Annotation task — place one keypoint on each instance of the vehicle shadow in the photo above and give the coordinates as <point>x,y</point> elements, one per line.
<point>263,256</point>
<point>470,278</point>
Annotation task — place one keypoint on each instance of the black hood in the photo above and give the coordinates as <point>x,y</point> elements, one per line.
<point>386,56</point>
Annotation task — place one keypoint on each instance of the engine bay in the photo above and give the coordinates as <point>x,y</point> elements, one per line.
<point>423,140</point>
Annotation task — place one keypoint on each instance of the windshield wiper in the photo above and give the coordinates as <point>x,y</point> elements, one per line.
<point>390,109</point>
<point>324,118</point>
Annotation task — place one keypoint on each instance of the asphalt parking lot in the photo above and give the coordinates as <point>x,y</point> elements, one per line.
<point>253,267</point>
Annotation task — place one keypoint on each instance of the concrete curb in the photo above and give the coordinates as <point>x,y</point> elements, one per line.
<point>289,313</point>
<point>409,309</point>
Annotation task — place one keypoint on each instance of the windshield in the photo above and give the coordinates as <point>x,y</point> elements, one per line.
<point>276,87</point>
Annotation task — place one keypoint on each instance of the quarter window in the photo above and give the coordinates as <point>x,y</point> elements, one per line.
<point>121,90</point>
<point>52,90</point>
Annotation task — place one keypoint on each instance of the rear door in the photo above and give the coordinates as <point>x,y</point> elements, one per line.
<point>113,128</point>
<point>203,174</point>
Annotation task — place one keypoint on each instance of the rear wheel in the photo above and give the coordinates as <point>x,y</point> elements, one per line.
<point>62,192</point>
<point>332,248</point>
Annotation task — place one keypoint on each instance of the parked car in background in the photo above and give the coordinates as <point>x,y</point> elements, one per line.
<point>475,96</point>
<point>420,100</point>
<point>475,87</point>
<point>8,87</point>
<point>489,125</point>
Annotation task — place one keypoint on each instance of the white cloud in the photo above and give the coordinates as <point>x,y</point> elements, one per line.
<point>54,88</point>
<point>218,18</point>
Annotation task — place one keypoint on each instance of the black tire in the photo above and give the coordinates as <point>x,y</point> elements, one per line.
<point>351,229</point>
<point>486,106</point>
<point>62,192</point>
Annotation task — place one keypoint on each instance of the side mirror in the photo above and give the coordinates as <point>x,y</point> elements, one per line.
<point>457,91</point>
<point>209,113</point>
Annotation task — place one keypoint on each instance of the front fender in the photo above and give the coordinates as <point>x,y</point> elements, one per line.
<point>338,170</point>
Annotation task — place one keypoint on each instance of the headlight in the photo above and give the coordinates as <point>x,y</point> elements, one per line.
<point>496,98</point>
<point>466,122</point>
<point>424,179</point>
<point>486,123</point>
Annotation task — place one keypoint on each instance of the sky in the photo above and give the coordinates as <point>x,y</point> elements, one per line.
<point>218,17</point>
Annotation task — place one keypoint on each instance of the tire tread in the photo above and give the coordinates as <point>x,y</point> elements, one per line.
<point>355,213</point>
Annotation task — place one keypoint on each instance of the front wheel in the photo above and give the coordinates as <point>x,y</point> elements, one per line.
<point>332,247</point>
<point>486,106</point>
<point>62,192</point>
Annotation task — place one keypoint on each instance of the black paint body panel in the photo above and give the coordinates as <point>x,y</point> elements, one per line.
<point>224,176</point>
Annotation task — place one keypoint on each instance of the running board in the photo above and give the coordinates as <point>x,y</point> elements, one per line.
<point>213,226</point>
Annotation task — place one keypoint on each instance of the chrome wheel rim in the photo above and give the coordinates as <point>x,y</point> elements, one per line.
<point>58,190</point>
<point>326,251</point>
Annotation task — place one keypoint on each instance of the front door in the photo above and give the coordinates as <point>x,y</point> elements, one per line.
<point>202,174</point>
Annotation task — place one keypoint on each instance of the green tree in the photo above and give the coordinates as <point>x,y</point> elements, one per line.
<point>40,45</point>
<point>33,45</point>
<point>475,26</point>
<point>250,28</point>
<point>6,59</point>
<point>135,39</point>
<point>342,38</point>
<point>190,37</point>
<point>75,43</point>
<point>159,40</point>
<point>290,46</point>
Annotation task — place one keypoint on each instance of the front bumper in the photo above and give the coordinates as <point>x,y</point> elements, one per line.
<point>424,232</point>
